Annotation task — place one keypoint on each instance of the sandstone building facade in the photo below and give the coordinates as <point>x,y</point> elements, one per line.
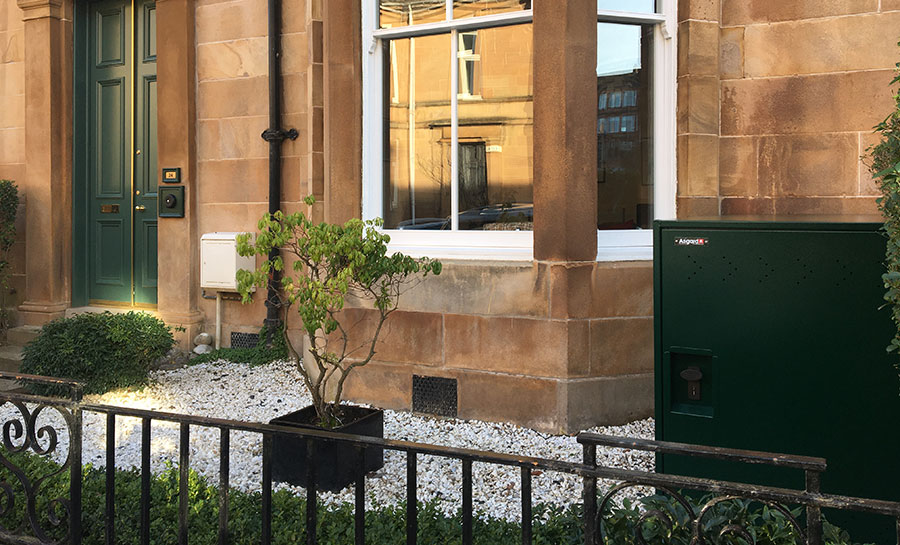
<point>528,144</point>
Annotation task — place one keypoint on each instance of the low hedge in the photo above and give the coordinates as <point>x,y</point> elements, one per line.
<point>385,525</point>
<point>103,351</point>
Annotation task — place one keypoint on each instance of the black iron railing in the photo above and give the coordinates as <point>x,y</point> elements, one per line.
<point>21,434</point>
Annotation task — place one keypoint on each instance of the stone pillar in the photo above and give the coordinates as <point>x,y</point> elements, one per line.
<point>565,160</point>
<point>565,133</point>
<point>48,158</point>
<point>602,308</point>
<point>343,110</point>
<point>179,238</point>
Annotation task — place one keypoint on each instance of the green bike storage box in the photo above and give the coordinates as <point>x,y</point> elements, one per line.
<point>771,335</point>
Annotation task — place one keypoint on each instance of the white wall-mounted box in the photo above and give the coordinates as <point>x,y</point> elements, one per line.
<point>220,262</point>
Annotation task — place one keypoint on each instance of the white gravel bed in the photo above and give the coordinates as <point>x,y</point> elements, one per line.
<point>257,394</point>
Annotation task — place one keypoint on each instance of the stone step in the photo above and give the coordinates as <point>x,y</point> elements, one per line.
<point>10,358</point>
<point>20,336</point>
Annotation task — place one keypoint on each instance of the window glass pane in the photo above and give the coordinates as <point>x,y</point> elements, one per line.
<point>474,8</point>
<point>614,124</point>
<point>639,6</point>
<point>496,134</point>
<point>624,177</point>
<point>469,65</point>
<point>398,13</point>
<point>417,133</point>
<point>615,99</point>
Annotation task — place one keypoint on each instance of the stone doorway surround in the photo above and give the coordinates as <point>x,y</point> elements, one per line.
<point>49,56</point>
<point>48,158</point>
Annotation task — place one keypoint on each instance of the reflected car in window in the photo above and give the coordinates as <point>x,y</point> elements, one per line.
<point>516,215</point>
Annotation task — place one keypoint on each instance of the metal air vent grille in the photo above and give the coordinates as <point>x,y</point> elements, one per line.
<point>434,395</point>
<point>244,340</point>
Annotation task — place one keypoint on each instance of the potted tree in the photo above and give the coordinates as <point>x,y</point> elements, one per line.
<point>320,266</point>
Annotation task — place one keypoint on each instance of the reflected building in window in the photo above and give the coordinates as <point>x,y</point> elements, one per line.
<point>624,177</point>
<point>495,116</point>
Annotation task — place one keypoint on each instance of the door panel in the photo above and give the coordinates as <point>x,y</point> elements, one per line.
<point>122,171</point>
<point>112,23</point>
<point>145,168</point>
<point>109,172</point>
<point>111,176</point>
<point>110,236</point>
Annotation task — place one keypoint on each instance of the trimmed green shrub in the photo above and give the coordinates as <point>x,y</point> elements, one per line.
<point>9,206</point>
<point>104,351</point>
<point>384,525</point>
<point>260,354</point>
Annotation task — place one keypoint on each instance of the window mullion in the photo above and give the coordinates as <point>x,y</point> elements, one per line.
<point>454,129</point>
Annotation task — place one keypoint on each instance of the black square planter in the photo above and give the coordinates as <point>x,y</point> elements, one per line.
<point>336,463</point>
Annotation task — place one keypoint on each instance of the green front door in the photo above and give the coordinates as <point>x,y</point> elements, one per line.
<point>121,171</point>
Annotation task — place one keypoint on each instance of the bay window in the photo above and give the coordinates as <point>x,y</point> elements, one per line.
<point>448,144</point>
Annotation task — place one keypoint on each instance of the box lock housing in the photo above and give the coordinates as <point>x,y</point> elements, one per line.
<point>171,201</point>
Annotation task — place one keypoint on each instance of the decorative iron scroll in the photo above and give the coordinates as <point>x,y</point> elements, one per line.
<point>21,435</point>
<point>699,531</point>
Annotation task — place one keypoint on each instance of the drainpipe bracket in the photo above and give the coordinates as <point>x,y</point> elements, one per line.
<point>279,135</point>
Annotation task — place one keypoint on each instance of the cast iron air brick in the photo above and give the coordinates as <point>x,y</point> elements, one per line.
<point>244,340</point>
<point>434,395</point>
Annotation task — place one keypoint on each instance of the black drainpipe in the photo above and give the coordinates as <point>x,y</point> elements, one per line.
<point>275,135</point>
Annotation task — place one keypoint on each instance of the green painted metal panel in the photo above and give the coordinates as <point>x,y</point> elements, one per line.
<point>784,320</point>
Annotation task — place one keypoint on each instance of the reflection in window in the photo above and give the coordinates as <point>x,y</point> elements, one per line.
<point>503,121</point>
<point>495,131</point>
<point>639,6</point>
<point>601,101</point>
<point>399,13</point>
<point>613,124</point>
<point>415,161</point>
<point>624,183</point>
<point>469,79</point>
<point>476,8</point>
<point>615,100</point>
<point>473,189</point>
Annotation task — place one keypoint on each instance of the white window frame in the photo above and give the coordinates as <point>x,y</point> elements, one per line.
<point>625,245</point>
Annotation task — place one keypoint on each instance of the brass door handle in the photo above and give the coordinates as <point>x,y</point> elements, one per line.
<point>140,207</point>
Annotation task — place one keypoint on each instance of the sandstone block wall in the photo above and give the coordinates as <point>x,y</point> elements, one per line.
<point>552,346</point>
<point>232,112</point>
<point>777,101</point>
